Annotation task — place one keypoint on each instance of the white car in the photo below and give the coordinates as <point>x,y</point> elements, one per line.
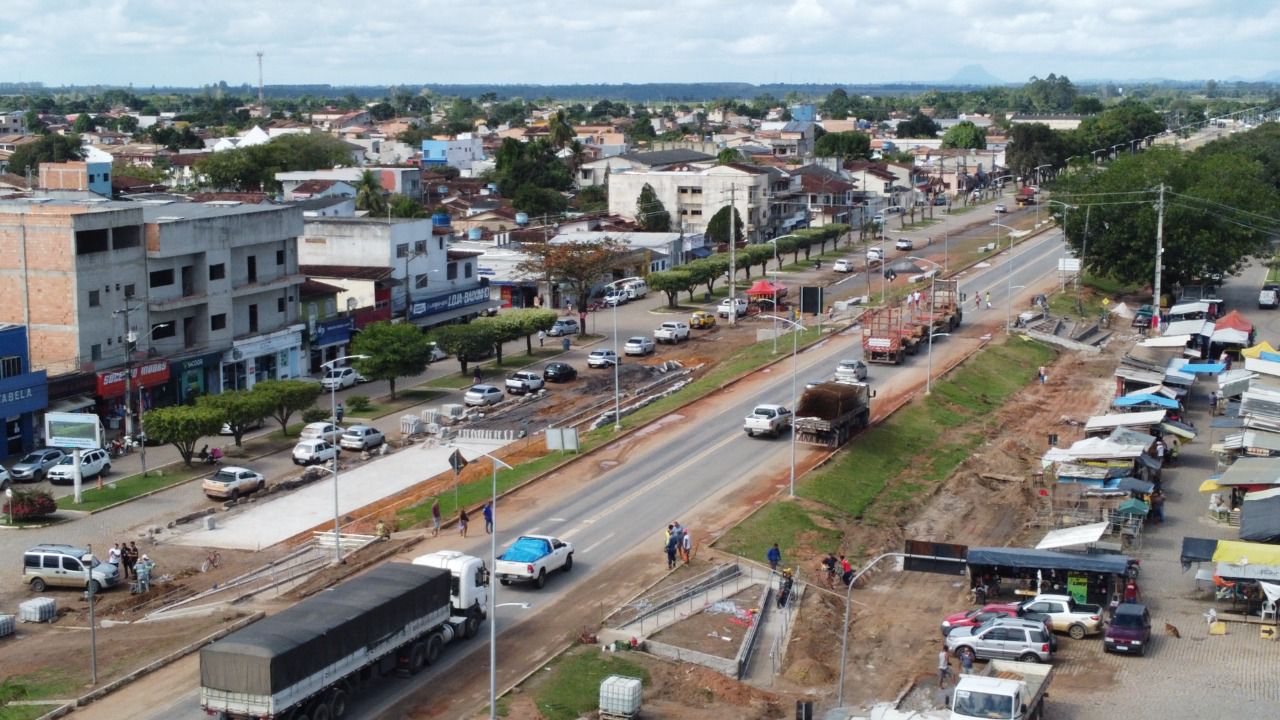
<point>524,381</point>
<point>602,358</point>
<point>309,452</point>
<point>339,379</point>
<point>564,326</point>
<point>436,353</point>
<point>844,265</point>
<point>851,371</point>
<point>904,244</point>
<point>321,431</point>
<point>4,478</point>
<point>1000,209</point>
<point>617,298</point>
<point>230,483</point>
<point>639,345</point>
<point>874,255</point>
<point>93,462</point>
<point>251,425</point>
<point>483,395</point>
<point>727,305</point>
<point>361,437</point>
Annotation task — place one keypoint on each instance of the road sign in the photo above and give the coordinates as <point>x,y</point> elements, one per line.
<point>73,430</point>
<point>457,462</point>
<point>1069,265</point>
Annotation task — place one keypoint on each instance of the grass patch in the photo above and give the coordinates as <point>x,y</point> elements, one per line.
<point>876,477</point>
<point>923,223</point>
<point>24,712</point>
<point>573,689</point>
<point>45,684</point>
<point>130,487</point>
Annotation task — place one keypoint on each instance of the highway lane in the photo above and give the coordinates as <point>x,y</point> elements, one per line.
<point>627,507</point>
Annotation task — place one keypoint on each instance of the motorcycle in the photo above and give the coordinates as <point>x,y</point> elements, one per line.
<point>116,449</point>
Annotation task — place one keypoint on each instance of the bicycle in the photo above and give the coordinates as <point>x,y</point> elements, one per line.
<point>213,560</point>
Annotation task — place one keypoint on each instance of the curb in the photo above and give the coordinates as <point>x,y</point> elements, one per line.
<point>151,667</point>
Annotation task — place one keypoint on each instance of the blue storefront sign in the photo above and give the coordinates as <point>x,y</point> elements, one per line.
<point>25,393</point>
<point>334,331</point>
<point>452,301</point>
<point>195,376</point>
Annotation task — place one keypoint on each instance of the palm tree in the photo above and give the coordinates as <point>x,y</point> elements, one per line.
<point>577,155</point>
<point>403,206</point>
<point>369,194</point>
<point>561,131</point>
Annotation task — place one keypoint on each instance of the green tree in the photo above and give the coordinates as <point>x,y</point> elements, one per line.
<point>651,214</point>
<point>711,268</point>
<point>1034,144</point>
<point>530,321</point>
<point>718,227</point>
<point>369,195</point>
<point>1086,105</point>
<point>83,124</point>
<point>850,145</point>
<point>560,131</point>
<point>671,282</point>
<point>239,409</point>
<point>403,206</point>
<point>919,126</point>
<point>537,201</point>
<point>787,244</point>
<point>465,342</point>
<point>182,426</point>
<point>382,111</point>
<point>593,198</point>
<point>579,265</point>
<point>965,134</point>
<point>392,350</point>
<point>700,272</point>
<point>286,397</point>
<point>49,148</point>
<point>728,155</point>
<point>503,328</point>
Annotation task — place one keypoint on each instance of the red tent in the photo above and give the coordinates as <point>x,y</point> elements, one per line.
<point>764,288</point>
<point>1235,321</point>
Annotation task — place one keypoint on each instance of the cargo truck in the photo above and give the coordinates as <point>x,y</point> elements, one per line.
<point>889,334</point>
<point>945,312</point>
<point>305,662</point>
<point>829,412</point>
<point>1003,689</point>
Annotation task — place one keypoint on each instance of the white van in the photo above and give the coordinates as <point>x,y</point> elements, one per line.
<point>636,289</point>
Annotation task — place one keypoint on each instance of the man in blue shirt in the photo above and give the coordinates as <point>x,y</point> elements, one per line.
<point>775,557</point>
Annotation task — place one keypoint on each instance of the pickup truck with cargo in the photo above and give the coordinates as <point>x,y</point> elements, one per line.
<point>306,661</point>
<point>531,558</point>
<point>771,420</point>
<point>524,381</point>
<point>1269,297</point>
<point>229,483</point>
<point>671,332</point>
<point>1005,689</point>
<point>829,412</point>
<point>1075,619</point>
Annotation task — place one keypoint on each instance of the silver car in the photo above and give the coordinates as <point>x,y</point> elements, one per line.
<point>33,465</point>
<point>361,437</point>
<point>1004,639</point>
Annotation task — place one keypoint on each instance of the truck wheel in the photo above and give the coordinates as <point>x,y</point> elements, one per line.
<point>1076,632</point>
<point>542,579</point>
<point>320,712</point>
<point>417,658</point>
<point>235,494</point>
<point>1029,658</point>
<point>471,627</point>
<point>504,581</point>
<point>434,643</point>
<point>37,585</point>
<point>568,563</point>
<point>338,704</point>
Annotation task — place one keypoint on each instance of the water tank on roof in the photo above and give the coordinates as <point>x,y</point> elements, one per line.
<point>442,189</point>
<point>522,218</point>
<point>473,234</point>
<point>493,187</point>
<point>440,219</point>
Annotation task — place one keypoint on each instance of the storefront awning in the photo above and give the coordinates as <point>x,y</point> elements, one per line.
<point>75,403</point>
<point>1146,399</point>
<point>1072,536</point>
<point>1246,553</point>
<point>1260,516</point>
<point>1031,559</point>
<point>1197,550</point>
<point>1251,471</point>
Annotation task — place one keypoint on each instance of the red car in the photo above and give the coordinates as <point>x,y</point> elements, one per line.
<point>978,616</point>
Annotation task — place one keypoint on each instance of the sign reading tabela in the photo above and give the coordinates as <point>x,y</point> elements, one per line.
<point>73,430</point>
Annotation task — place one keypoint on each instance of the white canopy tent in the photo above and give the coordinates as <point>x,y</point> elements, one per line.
<point>1072,536</point>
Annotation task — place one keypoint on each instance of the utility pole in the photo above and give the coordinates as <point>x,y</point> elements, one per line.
<point>128,369</point>
<point>1155,300</point>
<point>733,271</point>
<point>1084,248</point>
<point>262,107</point>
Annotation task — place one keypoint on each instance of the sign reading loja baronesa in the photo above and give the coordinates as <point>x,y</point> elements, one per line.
<point>150,373</point>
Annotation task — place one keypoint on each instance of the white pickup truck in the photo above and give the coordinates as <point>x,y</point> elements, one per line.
<point>1269,296</point>
<point>1003,689</point>
<point>531,558</point>
<point>1075,619</point>
<point>524,381</point>
<point>671,332</point>
<point>771,420</point>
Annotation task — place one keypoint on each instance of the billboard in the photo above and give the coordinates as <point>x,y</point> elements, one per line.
<point>72,430</point>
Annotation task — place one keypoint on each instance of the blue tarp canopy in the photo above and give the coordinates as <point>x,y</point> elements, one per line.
<point>1210,368</point>
<point>1146,399</point>
<point>526,549</point>
<point>1031,559</point>
<point>1197,550</point>
<point>1273,357</point>
<point>1131,484</point>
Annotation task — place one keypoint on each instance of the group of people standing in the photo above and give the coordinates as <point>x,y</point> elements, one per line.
<point>678,544</point>
<point>131,563</point>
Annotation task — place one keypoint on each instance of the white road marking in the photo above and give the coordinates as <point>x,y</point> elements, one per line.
<point>557,520</point>
<point>596,544</point>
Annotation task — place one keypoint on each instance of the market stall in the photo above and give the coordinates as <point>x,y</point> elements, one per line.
<point>1087,578</point>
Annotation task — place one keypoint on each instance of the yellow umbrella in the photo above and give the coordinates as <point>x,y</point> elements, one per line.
<point>1209,486</point>
<point>1256,351</point>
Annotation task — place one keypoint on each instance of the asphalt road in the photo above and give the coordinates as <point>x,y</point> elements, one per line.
<point>628,506</point>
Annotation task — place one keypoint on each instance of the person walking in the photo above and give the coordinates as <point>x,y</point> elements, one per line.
<point>784,588</point>
<point>1042,375</point>
<point>542,338</point>
<point>339,412</point>
<point>435,517</point>
<point>988,299</point>
<point>977,301</point>
<point>488,518</point>
<point>477,375</point>
<point>686,546</point>
<point>775,556</point>
<point>944,667</point>
<point>829,569</point>
<point>966,663</point>
<point>846,570</point>
<point>462,522</point>
<point>127,560</point>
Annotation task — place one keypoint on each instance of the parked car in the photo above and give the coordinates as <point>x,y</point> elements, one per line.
<point>524,381</point>
<point>702,320</point>
<point>483,395</point>
<point>727,304</point>
<point>616,298</point>
<point>1129,631</point>
<point>322,431</point>
<point>874,255</point>
<point>339,379</point>
<point>1075,619</point>
<point>843,265</point>
<point>33,466</point>
<point>1269,296</point>
<point>1001,209</point>
<point>904,244</point>
<point>253,425</point>
<point>559,372</point>
<point>671,332</point>
<point>851,371</point>
<point>230,483</point>
<point>93,462</point>
<point>52,565</point>
<point>602,358</point>
<point>361,437</point>
<point>639,345</point>
<point>1002,638</point>
<point>5,478</point>
<point>636,289</point>
<point>436,354</point>
<point>993,611</point>
<point>309,452</point>
<point>564,326</point>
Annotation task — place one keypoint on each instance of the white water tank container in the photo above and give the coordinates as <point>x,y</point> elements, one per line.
<point>8,625</point>
<point>40,609</point>
<point>620,696</point>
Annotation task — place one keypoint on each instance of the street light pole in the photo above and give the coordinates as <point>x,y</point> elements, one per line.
<point>1008,279</point>
<point>617,360</point>
<point>493,591</point>
<point>87,560</point>
<point>333,408</point>
<point>795,347</point>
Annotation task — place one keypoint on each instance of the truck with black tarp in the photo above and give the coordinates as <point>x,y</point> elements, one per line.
<point>305,662</point>
<point>829,412</point>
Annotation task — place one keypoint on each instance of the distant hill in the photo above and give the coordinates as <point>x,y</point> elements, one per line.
<point>974,75</point>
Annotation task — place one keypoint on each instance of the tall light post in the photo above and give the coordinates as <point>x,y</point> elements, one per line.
<point>333,408</point>
<point>1008,279</point>
<point>933,282</point>
<point>87,561</point>
<point>493,590</point>
<point>617,360</point>
<point>132,337</point>
<point>795,345</point>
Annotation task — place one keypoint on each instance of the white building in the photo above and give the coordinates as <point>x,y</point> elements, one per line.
<point>253,136</point>
<point>399,180</point>
<point>462,152</point>
<point>692,195</point>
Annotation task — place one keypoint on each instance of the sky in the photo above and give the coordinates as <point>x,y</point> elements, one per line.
<point>165,42</point>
